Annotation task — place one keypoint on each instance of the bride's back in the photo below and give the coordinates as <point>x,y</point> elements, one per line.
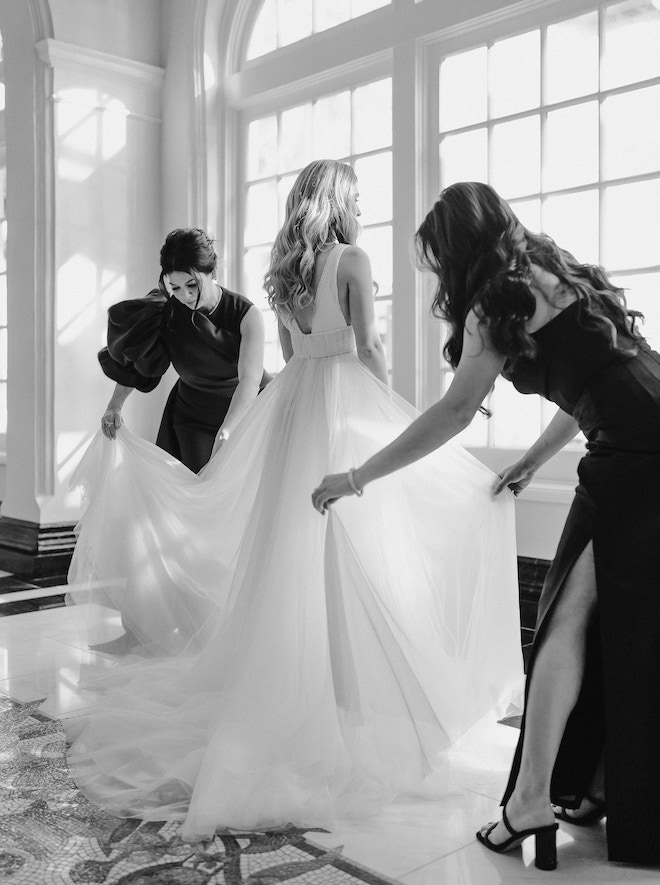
<point>329,293</point>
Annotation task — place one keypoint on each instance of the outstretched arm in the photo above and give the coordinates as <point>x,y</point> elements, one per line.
<point>557,434</point>
<point>475,375</point>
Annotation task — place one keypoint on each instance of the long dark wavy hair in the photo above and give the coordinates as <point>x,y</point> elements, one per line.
<point>482,257</point>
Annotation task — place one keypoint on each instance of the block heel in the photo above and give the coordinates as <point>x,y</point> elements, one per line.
<point>545,842</point>
<point>545,848</point>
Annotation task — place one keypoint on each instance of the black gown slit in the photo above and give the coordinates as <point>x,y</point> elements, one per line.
<point>615,398</point>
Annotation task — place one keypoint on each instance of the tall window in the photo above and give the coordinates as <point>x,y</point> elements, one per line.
<point>564,121</point>
<point>282,22</point>
<point>355,126</point>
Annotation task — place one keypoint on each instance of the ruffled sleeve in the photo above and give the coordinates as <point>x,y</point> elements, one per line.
<point>136,355</point>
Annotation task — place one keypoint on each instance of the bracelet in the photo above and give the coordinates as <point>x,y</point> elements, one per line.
<point>353,484</point>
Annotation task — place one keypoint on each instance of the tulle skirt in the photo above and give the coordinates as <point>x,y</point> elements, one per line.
<point>291,667</point>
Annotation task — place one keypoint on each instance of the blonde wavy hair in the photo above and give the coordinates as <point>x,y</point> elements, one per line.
<point>319,209</point>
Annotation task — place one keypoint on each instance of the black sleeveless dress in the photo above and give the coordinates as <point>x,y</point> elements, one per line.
<point>146,334</point>
<point>616,400</point>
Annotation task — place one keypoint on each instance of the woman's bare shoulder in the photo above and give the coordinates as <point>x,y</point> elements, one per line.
<point>354,263</point>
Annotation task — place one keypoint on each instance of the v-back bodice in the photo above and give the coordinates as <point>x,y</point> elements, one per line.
<point>330,335</point>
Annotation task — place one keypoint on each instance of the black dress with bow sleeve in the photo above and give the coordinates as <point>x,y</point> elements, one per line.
<point>146,335</point>
<point>614,394</point>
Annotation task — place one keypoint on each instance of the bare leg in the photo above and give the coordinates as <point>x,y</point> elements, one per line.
<point>554,689</point>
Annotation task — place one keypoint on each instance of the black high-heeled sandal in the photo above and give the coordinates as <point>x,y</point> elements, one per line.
<point>545,842</point>
<point>584,820</point>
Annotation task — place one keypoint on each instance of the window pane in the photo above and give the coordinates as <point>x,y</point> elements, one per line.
<point>262,147</point>
<point>464,157</point>
<point>476,433</point>
<point>255,266</point>
<point>571,146</point>
<point>571,61</point>
<point>284,186</point>
<point>632,225</point>
<point>372,116</point>
<point>327,15</point>
<point>516,418</point>
<point>514,74</point>
<point>529,213</point>
<point>572,222</point>
<point>261,212</point>
<point>377,243</point>
<point>332,126</point>
<point>383,311</point>
<point>463,89</point>
<point>643,293</point>
<point>631,43</point>
<point>517,157</point>
<point>295,138</point>
<point>282,22</point>
<point>294,21</point>
<point>375,187</point>
<point>264,33</point>
<point>632,132</point>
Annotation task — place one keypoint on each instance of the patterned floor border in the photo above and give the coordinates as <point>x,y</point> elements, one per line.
<point>51,835</point>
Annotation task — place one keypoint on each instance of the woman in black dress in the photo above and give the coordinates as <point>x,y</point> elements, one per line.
<point>518,304</point>
<point>214,338</point>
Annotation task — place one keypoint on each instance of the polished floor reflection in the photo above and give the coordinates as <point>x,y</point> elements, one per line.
<point>42,654</point>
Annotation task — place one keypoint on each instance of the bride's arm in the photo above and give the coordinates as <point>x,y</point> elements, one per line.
<point>355,272</point>
<point>285,340</point>
<point>475,375</point>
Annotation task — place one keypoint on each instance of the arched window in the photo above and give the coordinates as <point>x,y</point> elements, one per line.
<point>557,107</point>
<point>282,22</point>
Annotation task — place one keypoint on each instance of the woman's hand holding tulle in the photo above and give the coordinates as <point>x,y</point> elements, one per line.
<point>330,489</point>
<point>516,477</point>
<point>111,422</point>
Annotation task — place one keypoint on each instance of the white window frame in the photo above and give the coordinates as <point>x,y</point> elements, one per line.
<point>405,41</point>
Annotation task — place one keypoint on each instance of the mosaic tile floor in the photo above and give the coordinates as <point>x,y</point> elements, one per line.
<point>48,834</point>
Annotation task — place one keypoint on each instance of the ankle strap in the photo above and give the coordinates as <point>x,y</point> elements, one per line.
<point>507,824</point>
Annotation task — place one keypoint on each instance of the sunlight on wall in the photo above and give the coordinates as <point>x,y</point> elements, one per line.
<point>76,299</point>
<point>113,287</point>
<point>68,446</point>
<point>90,129</point>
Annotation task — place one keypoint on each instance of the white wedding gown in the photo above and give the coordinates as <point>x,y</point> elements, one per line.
<point>297,668</point>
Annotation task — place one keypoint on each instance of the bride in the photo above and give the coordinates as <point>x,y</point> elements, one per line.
<point>293,668</point>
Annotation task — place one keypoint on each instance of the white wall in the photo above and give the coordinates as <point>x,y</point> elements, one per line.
<point>97,227</point>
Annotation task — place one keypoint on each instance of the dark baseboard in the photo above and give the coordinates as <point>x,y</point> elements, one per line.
<point>38,551</point>
<point>531,575</point>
